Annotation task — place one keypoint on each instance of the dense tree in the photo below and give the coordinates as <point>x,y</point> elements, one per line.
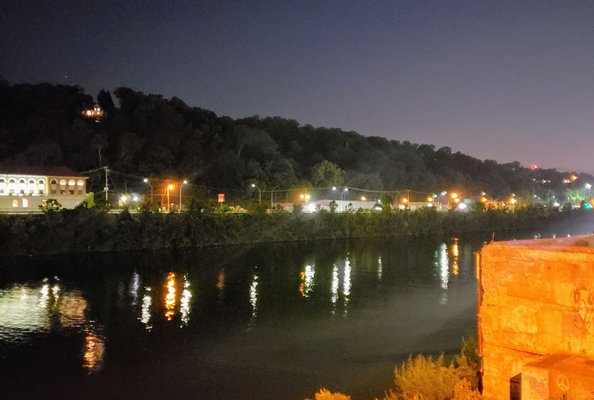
<point>148,135</point>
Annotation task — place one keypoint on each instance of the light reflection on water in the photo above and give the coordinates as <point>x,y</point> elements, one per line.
<point>32,309</point>
<point>145,303</point>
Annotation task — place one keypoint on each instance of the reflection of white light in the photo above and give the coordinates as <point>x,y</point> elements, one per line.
<point>44,296</point>
<point>346,281</point>
<point>56,292</point>
<point>335,283</point>
<point>134,286</point>
<point>307,278</point>
<point>145,313</point>
<point>254,295</point>
<point>443,266</point>
<point>185,303</point>
<point>379,268</point>
<point>20,312</point>
<point>346,286</point>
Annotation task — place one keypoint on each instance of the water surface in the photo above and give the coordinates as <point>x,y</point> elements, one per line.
<point>266,322</point>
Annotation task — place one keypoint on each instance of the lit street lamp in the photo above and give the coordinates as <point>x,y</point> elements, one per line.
<point>182,183</point>
<point>169,189</point>
<point>588,186</point>
<point>259,192</point>
<point>145,180</point>
<point>343,193</point>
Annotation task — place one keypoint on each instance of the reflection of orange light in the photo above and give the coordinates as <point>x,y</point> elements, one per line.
<point>170,297</point>
<point>456,254</point>
<point>221,280</point>
<point>302,284</point>
<point>94,349</point>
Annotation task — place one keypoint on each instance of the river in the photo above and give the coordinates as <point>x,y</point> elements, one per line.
<point>266,322</point>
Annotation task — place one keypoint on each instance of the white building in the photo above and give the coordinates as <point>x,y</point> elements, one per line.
<point>24,189</point>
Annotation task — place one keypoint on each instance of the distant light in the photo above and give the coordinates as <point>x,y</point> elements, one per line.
<point>185,182</point>
<point>454,195</point>
<point>333,187</point>
<point>253,185</point>
<point>556,204</point>
<point>123,199</point>
<point>363,198</point>
<point>430,199</point>
<point>587,206</point>
<point>587,186</point>
<point>462,206</point>
<point>443,193</point>
<point>135,198</point>
<point>145,180</point>
<point>170,187</point>
<point>404,200</point>
<point>533,167</point>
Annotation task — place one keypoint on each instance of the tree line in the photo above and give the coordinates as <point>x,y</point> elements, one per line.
<point>149,135</point>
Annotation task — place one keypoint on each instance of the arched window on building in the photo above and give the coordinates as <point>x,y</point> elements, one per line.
<point>62,186</point>
<point>71,184</point>
<point>11,186</point>
<point>53,186</point>
<point>22,186</point>
<point>3,188</point>
<point>40,186</point>
<point>81,184</point>
<point>31,186</point>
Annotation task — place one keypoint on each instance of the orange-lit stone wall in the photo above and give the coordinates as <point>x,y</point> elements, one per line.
<point>536,299</point>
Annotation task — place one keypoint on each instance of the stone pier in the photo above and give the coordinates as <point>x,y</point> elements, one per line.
<point>536,319</point>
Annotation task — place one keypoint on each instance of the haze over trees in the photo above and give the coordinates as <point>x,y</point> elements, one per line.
<point>148,135</point>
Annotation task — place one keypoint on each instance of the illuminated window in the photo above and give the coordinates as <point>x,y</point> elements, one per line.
<point>62,182</point>
<point>71,182</point>
<point>11,185</point>
<point>15,203</point>
<point>80,182</point>
<point>25,203</point>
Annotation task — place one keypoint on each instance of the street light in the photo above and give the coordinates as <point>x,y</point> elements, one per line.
<point>343,193</point>
<point>145,180</point>
<point>169,189</point>
<point>259,192</point>
<point>184,182</point>
<point>588,186</point>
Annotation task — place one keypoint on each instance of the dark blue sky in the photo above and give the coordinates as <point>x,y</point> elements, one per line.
<point>504,80</point>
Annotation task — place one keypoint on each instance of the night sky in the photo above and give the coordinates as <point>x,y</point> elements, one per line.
<point>504,80</point>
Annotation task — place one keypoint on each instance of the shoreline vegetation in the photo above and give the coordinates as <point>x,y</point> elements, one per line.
<point>425,377</point>
<point>90,230</point>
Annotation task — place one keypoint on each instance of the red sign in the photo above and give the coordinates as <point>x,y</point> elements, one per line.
<point>221,197</point>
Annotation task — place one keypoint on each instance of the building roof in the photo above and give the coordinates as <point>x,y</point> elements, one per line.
<point>38,170</point>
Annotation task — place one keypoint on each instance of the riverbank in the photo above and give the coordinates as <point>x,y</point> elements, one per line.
<point>88,230</point>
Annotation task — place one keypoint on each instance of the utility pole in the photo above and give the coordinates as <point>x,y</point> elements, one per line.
<point>106,188</point>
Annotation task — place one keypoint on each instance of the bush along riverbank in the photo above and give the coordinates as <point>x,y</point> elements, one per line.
<point>90,230</point>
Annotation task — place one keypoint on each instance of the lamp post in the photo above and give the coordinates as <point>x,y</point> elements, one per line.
<point>145,180</point>
<point>259,192</point>
<point>588,186</point>
<point>272,197</point>
<point>182,183</point>
<point>169,189</point>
